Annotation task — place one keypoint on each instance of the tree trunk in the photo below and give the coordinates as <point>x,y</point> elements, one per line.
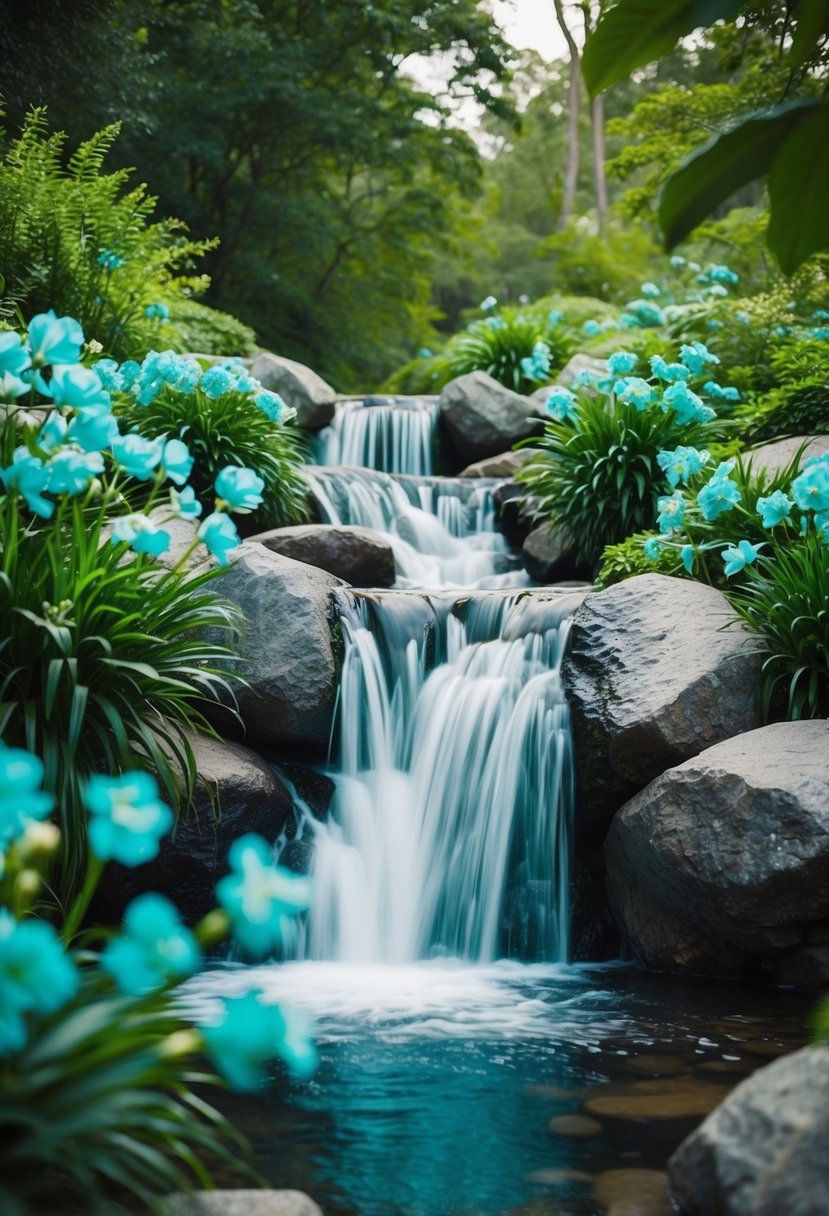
<point>599,178</point>
<point>571,171</point>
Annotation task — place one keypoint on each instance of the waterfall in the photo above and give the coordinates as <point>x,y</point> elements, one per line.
<point>449,833</point>
<point>394,435</point>
<point>442,531</point>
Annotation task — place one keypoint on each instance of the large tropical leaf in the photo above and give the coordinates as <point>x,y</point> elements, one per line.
<point>799,192</point>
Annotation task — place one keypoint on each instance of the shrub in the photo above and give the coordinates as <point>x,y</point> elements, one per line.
<point>800,403</point>
<point>193,327</point>
<point>225,418</point>
<point>80,240</point>
<point>627,558</point>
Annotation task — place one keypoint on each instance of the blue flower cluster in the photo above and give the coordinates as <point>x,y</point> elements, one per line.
<point>537,365</point>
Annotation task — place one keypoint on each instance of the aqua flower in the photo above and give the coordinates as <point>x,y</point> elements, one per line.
<point>671,512</point>
<point>555,316</point>
<point>29,476</point>
<point>695,356</point>
<point>682,463</point>
<point>644,313</point>
<point>583,379</point>
<point>218,531</point>
<point>108,373</point>
<point>157,312</point>
<point>137,456</point>
<point>652,548</point>
<point>257,895</point>
<point>811,488</point>
<point>109,260</point>
<point>635,391</point>
<point>54,339</point>
<point>561,403</point>
<point>670,372</point>
<point>716,291</point>
<point>721,274</point>
<point>71,471</point>
<point>687,554</point>
<point>243,381</point>
<point>821,333</point>
<point>719,496</point>
<point>14,358</point>
<point>130,372</point>
<point>249,1036</point>
<point>425,353</point>
<point>591,328</point>
<point>21,796</point>
<point>821,314</point>
<point>537,365</point>
<point>737,557</point>
<point>677,261</point>
<point>685,403</point>
<point>273,407</point>
<point>495,323</point>
<point>238,488</point>
<point>774,509</point>
<point>77,387</point>
<point>154,949</point>
<point>93,429</point>
<point>724,469</point>
<point>184,503</point>
<point>621,362</point>
<point>713,323</point>
<point>127,820</point>
<point>216,381</point>
<point>53,432</point>
<point>177,461</point>
<point>719,393</point>
<point>141,534</point>
<point>12,387</point>
<point>488,303</point>
<point>650,290</point>
<point>822,525</point>
<point>36,976</point>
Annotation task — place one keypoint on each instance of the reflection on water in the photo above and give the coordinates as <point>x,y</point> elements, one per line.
<point>447,1089</point>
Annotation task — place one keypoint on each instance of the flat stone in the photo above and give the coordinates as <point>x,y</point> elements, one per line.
<point>359,556</point>
<point>299,387</point>
<point>577,1126</point>
<point>502,465</point>
<point>721,865</point>
<point>237,1203</point>
<point>559,1177</point>
<point>656,1065</point>
<point>773,458</point>
<point>657,669</point>
<point>679,1102</point>
<point>634,1192</point>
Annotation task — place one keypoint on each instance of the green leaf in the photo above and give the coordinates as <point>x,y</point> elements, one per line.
<point>724,164</point>
<point>636,32</point>
<point>799,193</point>
<point>812,25</point>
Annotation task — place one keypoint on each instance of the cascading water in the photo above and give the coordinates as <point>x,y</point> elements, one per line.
<point>394,435</point>
<point>443,532</point>
<point>449,833</point>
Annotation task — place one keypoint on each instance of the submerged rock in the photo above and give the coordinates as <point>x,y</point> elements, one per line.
<point>483,418</point>
<point>360,556</point>
<point>721,865</point>
<point>299,387</point>
<point>763,1151</point>
<point>633,1192</point>
<point>237,1203</point>
<point>657,669</point>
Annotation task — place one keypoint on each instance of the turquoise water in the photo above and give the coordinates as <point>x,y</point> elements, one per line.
<point>438,1081</point>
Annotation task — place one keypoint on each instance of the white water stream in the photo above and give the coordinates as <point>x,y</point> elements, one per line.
<point>397,436</point>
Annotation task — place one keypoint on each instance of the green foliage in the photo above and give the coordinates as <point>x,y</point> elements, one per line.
<point>627,558</point>
<point>597,476</point>
<point>229,430</point>
<point>194,328</point>
<point>79,240</point>
<point>104,662</point>
<point>610,264</point>
<point>99,1100</point>
<point>799,405</point>
<point>785,600</point>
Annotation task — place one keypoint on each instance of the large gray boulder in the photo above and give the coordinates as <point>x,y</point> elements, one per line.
<point>721,865</point>
<point>482,418</point>
<point>772,458</point>
<point>286,655</point>
<point>299,387</point>
<point>237,1203</point>
<point>762,1152</point>
<point>236,792</point>
<point>657,669</point>
<point>360,556</point>
<point>549,556</point>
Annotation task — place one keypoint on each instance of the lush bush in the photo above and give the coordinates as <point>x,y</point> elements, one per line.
<point>609,264</point>
<point>597,473</point>
<point>194,328</point>
<point>225,417</point>
<point>799,404</point>
<point>81,241</point>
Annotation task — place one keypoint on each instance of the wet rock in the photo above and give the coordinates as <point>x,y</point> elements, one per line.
<point>721,865</point>
<point>287,659</point>
<point>559,1177</point>
<point>357,555</point>
<point>649,1101</point>
<point>483,418</point>
<point>515,511</point>
<point>633,1192</point>
<point>237,792</point>
<point>503,465</point>
<point>655,1065</point>
<point>237,1203</point>
<point>657,670</point>
<point>577,1126</point>
<point>763,1151</point>
<point>549,556</point>
<point>299,387</point>
<point>314,788</point>
<point>772,458</point>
